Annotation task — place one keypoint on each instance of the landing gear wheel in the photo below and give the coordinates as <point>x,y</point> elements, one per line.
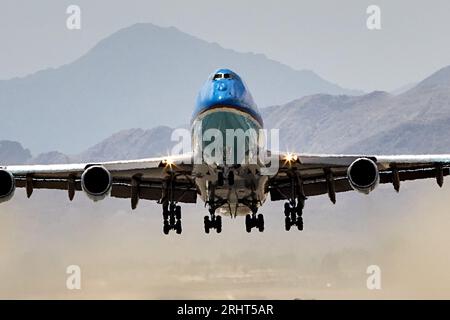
<point>166,228</point>
<point>260,222</point>
<point>293,210</point>
<point>218,224</point>
<point>171,218</point>
<point>178,212</point>
<point>254,220</point>
<point>299,210</point>
<point>165,212</point>
<point>213,222</point>
<point>287,209</point>
<point>248,223</point>
<point>220,179</point>
<point>287,224</point>
<point>207,224</point>
<point>300,224</point>
<point>178,228</point>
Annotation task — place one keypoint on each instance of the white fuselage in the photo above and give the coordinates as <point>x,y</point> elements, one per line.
<point>233,183</point>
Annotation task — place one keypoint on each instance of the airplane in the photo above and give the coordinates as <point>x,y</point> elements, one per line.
<point>227,189</point>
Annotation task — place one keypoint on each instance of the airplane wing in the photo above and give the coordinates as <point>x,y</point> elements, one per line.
<point>135,179</point>
<point>316,174</point>
<point>306,174</point>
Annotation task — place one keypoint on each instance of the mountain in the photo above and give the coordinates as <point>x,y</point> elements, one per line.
<point>416,121</point>
<point>12,152</point>
<point>403,88</point>
<point>123,145</point>
<point>141,76</point>
<point>439,79</point>
<point>131,144</point>
<point>52,157</point>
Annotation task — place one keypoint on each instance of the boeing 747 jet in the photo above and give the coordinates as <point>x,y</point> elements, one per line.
<point>221,176</point>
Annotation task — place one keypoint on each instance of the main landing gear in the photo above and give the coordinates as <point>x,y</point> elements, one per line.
<point>213,222</point>
<point>293,211</point>
<point>171,211</point>
<point>172,218</point>
<point>254,221</point>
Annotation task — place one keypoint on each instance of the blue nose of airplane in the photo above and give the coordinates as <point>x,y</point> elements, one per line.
<point>222,86</point>
<point>225,88</point>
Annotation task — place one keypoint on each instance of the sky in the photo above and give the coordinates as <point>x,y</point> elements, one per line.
<point>326,36</point>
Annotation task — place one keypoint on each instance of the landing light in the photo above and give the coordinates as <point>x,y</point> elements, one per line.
<point>168,162</point>
<point>290,157</point>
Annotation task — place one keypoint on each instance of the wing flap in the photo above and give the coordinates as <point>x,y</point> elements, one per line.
<point>155,193</point>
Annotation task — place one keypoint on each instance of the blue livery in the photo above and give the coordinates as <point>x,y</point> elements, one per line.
<point>225,88</point>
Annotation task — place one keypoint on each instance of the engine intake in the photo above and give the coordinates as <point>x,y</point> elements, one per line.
<point>363,175</point>
<point>96,181</point>
<point>7,185</point>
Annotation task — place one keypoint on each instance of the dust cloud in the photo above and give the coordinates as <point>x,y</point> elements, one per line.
<point>123,253</point>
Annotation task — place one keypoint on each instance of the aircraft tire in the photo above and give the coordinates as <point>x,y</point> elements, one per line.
<point>178,227</point>
<point>178,212</point>
<point>219,224</point>
<point>287,224</point>
<point>287,209</point>
<point>206,223</point>
<point>248,223</point>
<point>300,224</point>
<point>166,228</point>
<point>260,222</point>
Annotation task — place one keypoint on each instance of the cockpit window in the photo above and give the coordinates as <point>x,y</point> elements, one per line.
<point>222,76</point>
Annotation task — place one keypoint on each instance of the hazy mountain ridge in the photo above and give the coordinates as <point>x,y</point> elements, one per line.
<point>123,145</point>
<point>131,144</point>
<point>12,152</point>
<point>416,121</point>
<point>127,79</point>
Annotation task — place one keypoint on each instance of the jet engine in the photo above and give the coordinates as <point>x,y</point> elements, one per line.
<point>7,185</point>
<point>363,175</point>
<point>96,181</point>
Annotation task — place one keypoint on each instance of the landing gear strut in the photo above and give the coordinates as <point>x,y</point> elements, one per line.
<point>293,212</point>
<point>172,218</point>
<point>212,221</point>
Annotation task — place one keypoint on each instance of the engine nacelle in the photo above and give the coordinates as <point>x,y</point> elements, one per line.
<point>363,175</point>
<point>7,186</point>
<point>96,181</point>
